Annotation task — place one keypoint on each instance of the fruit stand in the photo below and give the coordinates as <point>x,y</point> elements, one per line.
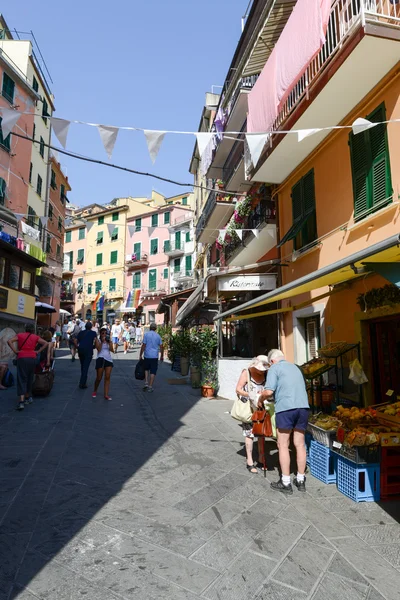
<point>359,450</point>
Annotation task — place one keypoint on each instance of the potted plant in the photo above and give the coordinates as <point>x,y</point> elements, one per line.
<point>195,357</point>
<point>209,378</point>
<point>220,184</point>
<point>183,350</point>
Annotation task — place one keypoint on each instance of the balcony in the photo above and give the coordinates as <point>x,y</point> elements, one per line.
<point>136,261</point>
<point>233,171</point>
<point>362,46</point>
<point>159,289</point>
<point>183,276</point>
<point>174,248</point>
<point>251,249</point>
<point>181,220</point>
<point>216,213</point>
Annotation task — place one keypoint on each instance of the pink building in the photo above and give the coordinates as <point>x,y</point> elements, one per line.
<point>154,251</point>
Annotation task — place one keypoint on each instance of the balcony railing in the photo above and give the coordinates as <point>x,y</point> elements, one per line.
<point>233,161</point>
<point>212,199</point>
<point>137,260</point>
<point>244,84</point>
<point>345,18</point>
<point>183,218</point>
<point>66,297</point>
<point>184,274</point>
<point>172,247</point>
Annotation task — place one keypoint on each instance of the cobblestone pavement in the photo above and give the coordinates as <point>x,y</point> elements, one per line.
<point>147,497</point>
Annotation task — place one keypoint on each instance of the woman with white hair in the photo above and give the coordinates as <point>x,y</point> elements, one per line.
<point>250,385</point>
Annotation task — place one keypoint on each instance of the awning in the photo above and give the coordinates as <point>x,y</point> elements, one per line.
<point>346,269</point>
<point>43,308</point>
<point>191,303</point>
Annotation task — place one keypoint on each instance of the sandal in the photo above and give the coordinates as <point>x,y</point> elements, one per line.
<point>107,398</point>
<point>250,467</point>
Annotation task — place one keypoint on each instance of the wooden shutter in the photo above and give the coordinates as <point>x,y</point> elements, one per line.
<point>308,193</point>
<point>312,338</point>
<point>359,152</point>
<point>136,280</point>
<point>166,273</point>
<point>153,246</point>
<point>99,260</point>
<point>81,254</point>
<point>3,187</point>
<point>178,240</point>
<point>297,201</point>
<point>152,279</point>
<point>114,257</point>
<point>71,261</point>
<point>177,265</point>
<point>136,250</point>
<point>380,169</point>
<point>188,263</point>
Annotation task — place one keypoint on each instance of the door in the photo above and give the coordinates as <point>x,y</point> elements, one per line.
<point>178,240</point>
<point>136,250</point>
<point>385,355</point>
<point>152,279</point>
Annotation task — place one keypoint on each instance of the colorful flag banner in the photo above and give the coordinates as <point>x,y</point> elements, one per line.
<point>256,144</point>
<point>101,304</point>
<point>44,221</point>
<point>304,133</point>
<point>154,140</point>
<point>256,233</point>
<point>108,137</point>
<point>131,229</point>
<point>129,300</point>
<point>94,303</point>
<point>136,298</point>
<point>239,233</point>
<point>361,125</point>
<point>9,119</point>
<point>89,225</point>
<point>60,128</point>
<point>19,216</point>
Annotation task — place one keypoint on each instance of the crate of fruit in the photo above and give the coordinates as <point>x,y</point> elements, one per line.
<point>388,413</point>
<point>323,428</point>
<point>360,455</point>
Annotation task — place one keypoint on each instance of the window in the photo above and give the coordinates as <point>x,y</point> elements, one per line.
<point>8,88</point>
<point>177,265</point>
<point>60,224</point>
<point>184,201</point>
<point>67,237</point>
<point>41,147</point>
<point>81,233</point>
<point>114,257</point>
<point>30,172</point>
<point>114,235</point>
<point>80,285</point>
<point>112,285</point>
<point>81,256</point>
<point>154,220</point>
<point>167,246</point>
<point>39,185</point>
<point>71,260</point>
<point>48,244</point>
<point>372,186</point>
<point>89,288</point>
<point>31,216</point>
<point>115,216</point>
<point>15,273</point>
<point>58,249</point>
<point>138,225</point>
<point>35,84</point>
<point>137,249</point>
<point>178,242</point>
<point>45,110</point>
<point>167,218</point>
<point>3,190</point>
<point>26,281</point>
<point>153,246</point>
<point>152,316</point>
<point>4,142</point>
<point>188,265</point>
<point>187,236</point>
<point>312,331</point>
<point>166,273</point>
<point>136,280</point>
<point>99,260</point>
<point>304,229</point>
<point>53,180</point>
<point>152,279</point>
<point>34,131</point>
<point>50,210</point>
<point>62,192</point>
<point>97,286</point>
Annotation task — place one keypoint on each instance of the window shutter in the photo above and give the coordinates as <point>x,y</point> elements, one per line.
<point>297,201</point>
<point>312,338</point>
<point>3,187</point>
<point>178,240</point>
<point>187,239</point>
<point>380,169</point>
<point>153,246</point>
<point>177,265</point>
<point>308,193</point>
<point>136,250</point>
<point>167,246</point>
<point>359,152</point>
<point>136,280</point>
<point>71,260</point>
<point>99,260</point>
<point>188,263</point>
<point>152,279</point>
<point>114,257</point>
<point>166,273</point>
<point>81,254</point>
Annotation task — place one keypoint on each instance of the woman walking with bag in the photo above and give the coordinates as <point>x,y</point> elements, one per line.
<point>26,362</point>
<point>250,385</point>
<point>104,363</point>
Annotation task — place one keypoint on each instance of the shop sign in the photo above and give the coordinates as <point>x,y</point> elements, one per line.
<point>3,298</point>
<point>246,283</point>
<point>21,304</point>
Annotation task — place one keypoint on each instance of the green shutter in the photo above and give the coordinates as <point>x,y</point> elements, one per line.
<point>154,220</point>
<point>67,237</point>
<point>136,280</point>
<point>177,265</point>
<point>115,216</point>
<point>153,246</point>
<point>188,264</point>
<point>167,218</point>
<point>359,152</point>
<point>166,273</point>
<point>81,255</point>
<point>178,240</point>
<point>380,172</point>
<point>114,257</point>
<point>114,235</point>
<point>81,233</point>
<point>99,260</point>
<point>8,88</point>
<point>297,201</point>
<point>100,221</point>
<point>308,193</point>
<point>187,237</point>
<point>184,201</point>
<point>71,261</point>
<point>137,248</point>
<point>99,237</point>
<point>138,225</point>
<point>112,285</point>
<point>89,288</point>
<point>167,246</point>
<point>152,279</point>
<point>98,286</point>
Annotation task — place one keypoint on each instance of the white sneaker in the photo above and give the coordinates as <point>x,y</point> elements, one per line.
<point>125,352</point>
<point>150,389</point>
<point>145,387</point>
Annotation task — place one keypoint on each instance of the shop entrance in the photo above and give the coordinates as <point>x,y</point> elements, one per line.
<point>385,355</point>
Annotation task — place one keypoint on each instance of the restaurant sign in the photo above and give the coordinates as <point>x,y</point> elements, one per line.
<point>246,283</point>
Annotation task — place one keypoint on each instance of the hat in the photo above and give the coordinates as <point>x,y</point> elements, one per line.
<point>260,362</point>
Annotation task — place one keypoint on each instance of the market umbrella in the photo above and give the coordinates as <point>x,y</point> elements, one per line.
<point>64,312</point>
<point>43,308</point>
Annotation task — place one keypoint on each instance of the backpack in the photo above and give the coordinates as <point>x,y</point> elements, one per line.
<point>8,379</point>
<point>140,370</point>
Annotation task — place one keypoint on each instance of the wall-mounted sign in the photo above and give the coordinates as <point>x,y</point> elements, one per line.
<point>21,304</point>
<point>3,298</point>
<point>246,283</point>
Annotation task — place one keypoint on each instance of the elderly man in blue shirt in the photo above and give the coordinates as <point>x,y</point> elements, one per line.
<point>285,384</point>
<point>151,347</point>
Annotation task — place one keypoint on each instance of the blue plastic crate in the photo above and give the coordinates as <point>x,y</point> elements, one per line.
<point>361,483</point>
<point>322,463</point>
<point>308,440</point>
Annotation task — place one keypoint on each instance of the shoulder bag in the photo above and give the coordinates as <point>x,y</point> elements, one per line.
<point>241,409</point>
<point>262,425</point>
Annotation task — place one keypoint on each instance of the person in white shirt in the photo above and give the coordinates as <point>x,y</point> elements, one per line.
<point>132,334</point>
<point>116,334</point>
<point>139,334</point>
<point>104,363</point>
<point>65,332</point>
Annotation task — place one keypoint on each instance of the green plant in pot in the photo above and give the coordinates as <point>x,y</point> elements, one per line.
<point>209,378</point>
<point>182,349</point>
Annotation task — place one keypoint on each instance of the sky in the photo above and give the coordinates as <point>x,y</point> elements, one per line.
<point>143,64</point>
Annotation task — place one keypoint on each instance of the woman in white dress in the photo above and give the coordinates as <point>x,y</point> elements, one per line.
<point>104,362</point>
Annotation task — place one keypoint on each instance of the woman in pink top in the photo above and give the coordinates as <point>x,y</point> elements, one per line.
<point>26,362</point>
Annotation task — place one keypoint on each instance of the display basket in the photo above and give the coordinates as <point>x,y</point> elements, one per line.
<point>323,463</point>
<point>387,420</point>
<point>361,483</point>
<point>360,455</point>
<point>335,349</point>
<point>322,436</point>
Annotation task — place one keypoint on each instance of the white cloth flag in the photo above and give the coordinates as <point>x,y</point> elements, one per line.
<point>28,230</point>
<point>60,128</point>
<point>44,221</point>
<point>9,119</point>
<point>110,228</point>
<point>222,234</point>
<point>304,133</point>
<point>256,144</point>
<point>203,138</point>
<point>255,232</point>
<point>361,125</point>
<point>19,216</point>
<point>239,233</point>
<point>89,225</point>
<point>154,140</point>
<point>108,137</point>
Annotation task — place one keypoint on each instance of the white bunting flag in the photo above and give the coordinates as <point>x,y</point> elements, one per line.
<point>361,125</point>
<point>89,225</point>
<point>19,216</point>
<point>108,137</point>
<point>222,234</point>
<point>9,119</point>
<point>256,144</point>
<point>239,233</point>
<point>154,140</point>
<point>203,138</point>
<point>110,228</point>
<point>304,133</point>
<point>60,128</point>
<point>150,231</point>
<point>44,221</point>
<point>131,229</point>
<point>255,232</point>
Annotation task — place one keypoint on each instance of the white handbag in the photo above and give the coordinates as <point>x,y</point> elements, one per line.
<point>241,411</point>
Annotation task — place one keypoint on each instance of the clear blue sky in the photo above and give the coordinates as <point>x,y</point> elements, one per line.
<point>146,64</point>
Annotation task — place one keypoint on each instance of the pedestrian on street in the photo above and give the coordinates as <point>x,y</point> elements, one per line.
<point>132,335</point>
<point>126,336</point>
<point>116,334</point>
<point>139,334</point>
<point>285,382</point>
<point>151,347</point>
<point>73,335</point>
<point>58,334</point>
<point>26,361</point>
<point>85,343</point>
<point>104,363</point>
<point>65,332</point>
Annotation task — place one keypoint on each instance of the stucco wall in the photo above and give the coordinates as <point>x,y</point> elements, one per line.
<point>229,370</point>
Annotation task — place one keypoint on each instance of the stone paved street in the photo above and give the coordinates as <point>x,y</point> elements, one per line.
<point>147,497</point>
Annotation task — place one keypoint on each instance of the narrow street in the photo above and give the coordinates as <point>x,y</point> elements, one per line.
<point>147,497</point>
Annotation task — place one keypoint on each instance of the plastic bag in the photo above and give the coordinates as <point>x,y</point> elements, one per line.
<point>270,408</point>
<point>356,373</point>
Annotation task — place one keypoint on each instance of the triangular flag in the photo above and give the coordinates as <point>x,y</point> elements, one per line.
<point>256,144</point>
<point>19,216</point>
<point>239,233</point>
<point>222,234</point>
<point>9,118</point>
<point>154,140</point>
<point>361,125</point>
<point>303,133</point>
<point>60,128</point>
<point>110,228</point>
<point>44,220</point>
<point>151,231</point>
<point>108,137</point>
<point>89,225</point>
<point>255,232</point>
<point>203,139</point>
<point>131,229</point>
